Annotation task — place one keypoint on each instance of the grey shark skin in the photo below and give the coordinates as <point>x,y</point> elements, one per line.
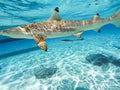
<point>57,27</point>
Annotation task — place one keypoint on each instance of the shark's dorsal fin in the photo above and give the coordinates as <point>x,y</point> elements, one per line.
<point>41,42</point>
<point>96,18</point>
<point>55,15</point>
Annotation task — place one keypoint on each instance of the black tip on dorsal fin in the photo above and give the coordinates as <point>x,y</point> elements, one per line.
<point>56,9</point>
<point>97,14</point>
<point>55,15</point>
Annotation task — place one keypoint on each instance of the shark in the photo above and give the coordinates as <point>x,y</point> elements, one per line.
<point>55,26</point>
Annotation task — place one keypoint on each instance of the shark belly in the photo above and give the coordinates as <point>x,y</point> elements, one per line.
<point>11,34</point>
<point>59,34</point>
<point>64,31</point>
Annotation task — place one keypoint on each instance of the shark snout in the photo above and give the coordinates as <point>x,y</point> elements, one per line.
<point>1,32</point>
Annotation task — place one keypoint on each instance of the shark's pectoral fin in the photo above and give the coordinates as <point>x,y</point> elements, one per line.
<point>41,42</point>
<point>55,15</point>
<point>78,34</point>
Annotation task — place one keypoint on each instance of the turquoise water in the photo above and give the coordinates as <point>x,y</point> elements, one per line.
<point>89,64</point>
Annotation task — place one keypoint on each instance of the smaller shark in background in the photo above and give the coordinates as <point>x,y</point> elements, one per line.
<point>55,26</point>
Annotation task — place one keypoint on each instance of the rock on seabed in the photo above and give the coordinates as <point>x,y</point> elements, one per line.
<point>97,59</point>
<point>44,72</point>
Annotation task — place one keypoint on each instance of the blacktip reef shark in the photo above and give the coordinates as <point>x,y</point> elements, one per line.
<point>55,26</point>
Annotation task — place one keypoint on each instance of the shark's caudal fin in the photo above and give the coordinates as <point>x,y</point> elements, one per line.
<point>55,15</point>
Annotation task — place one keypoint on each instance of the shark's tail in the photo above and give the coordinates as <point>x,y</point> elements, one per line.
<point>115,19</point>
